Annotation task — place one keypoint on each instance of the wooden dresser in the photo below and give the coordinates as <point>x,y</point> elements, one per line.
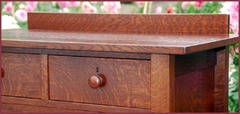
<point>117,63</point>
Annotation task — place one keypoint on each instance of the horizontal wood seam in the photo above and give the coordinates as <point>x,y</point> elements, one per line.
<point>80,53</point>
<point>37,102</point>
<point>48,107</point>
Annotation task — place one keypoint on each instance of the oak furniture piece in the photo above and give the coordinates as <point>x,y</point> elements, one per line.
<point>117,63</point>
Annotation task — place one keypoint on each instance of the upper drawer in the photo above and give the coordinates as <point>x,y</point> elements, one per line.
<point>127,81</point>
<point>21,75</point>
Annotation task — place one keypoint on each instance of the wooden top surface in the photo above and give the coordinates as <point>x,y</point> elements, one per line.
<point>140,43</point>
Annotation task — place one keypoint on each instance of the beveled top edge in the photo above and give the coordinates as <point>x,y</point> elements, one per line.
<point>134,43</point>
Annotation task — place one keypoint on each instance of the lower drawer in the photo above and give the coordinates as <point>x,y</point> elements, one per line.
<point>127,81</point>
<point>17,104</point>
<point>32,109</point>
<point>21,75</point>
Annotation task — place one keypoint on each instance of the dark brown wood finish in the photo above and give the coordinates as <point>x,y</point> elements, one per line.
<point>119,55</point>
<point>162,83</point>
<point>69,105</point>
<point>213,100</point>
<point>221,81</point>
<point>131,23</point>
<point>21,75</point>
<point>2,72</point>
<point>194,62</point>
<point>162,44</point>
<point>143,63</point>
<point>194,91</point>
<point>210,45</point>
<point>127,81</point>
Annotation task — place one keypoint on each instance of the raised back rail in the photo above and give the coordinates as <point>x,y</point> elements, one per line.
<point>131,23</point>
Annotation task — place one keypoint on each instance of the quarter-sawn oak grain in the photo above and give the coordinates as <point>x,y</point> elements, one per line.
<point>221,81</point>
<point>79,53</point>
<point>70,105</point>
<point>131,23</point>
<point>162,44</point>
<point>162,83</point>
<point>21,75</point>
<point>44,77</point>
<point>152,63</point>
<point>33,109</point>
<point>127,81</point>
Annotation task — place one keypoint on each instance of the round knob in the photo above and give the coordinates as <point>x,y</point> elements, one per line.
<point>95,81</point>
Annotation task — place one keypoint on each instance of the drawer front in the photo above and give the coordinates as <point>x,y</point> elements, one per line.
<point>21,75</point>
<point>127,81</point>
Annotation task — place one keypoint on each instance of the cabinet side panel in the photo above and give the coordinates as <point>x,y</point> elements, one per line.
<point>221,81</point>
<point>202,81</point>
<point>194,91</point>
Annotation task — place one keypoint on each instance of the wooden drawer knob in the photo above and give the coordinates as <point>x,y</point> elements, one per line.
<point>96,81</point>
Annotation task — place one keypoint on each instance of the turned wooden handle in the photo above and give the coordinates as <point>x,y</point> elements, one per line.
<point>95,81</point>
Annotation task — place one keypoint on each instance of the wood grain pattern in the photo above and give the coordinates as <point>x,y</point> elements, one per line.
<point>22,75</point>
<point>131,23</point>
<point>44,77</point>
<point>209,45</point>
<point>194,62</point>
<point>195,91</point>
<point>128,81</point>
<point>163,44</point>
<point>33,109</point>
<point>221,81</point>
<point>119,55</point>
<point>69,105</point>
<point>152,63</point>
<point>162,83</point>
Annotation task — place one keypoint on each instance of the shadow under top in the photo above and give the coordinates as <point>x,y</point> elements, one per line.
<point>122,42</point>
